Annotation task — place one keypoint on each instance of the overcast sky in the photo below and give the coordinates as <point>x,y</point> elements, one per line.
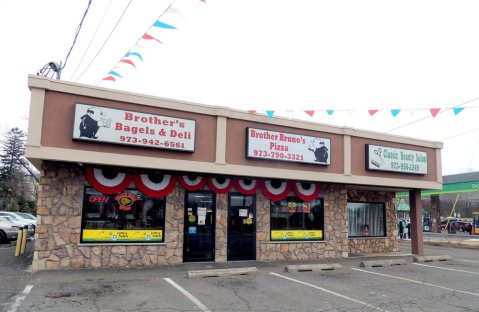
<point>284,56</point>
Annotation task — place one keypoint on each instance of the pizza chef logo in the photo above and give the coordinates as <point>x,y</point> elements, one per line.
<point>92,121</point>
<point>319,149</point>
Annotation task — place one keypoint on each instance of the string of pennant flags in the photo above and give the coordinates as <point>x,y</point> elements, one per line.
<point>394,112</point>
<point>153,35</point>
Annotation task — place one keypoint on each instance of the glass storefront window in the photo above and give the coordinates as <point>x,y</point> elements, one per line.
<point>294,219</point>
<point>366,219</point>
<point>128,217</point>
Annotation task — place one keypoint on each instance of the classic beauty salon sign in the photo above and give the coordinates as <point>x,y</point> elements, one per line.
<point>101,124</point>
<point>267,144</point>
<point>385,158</point>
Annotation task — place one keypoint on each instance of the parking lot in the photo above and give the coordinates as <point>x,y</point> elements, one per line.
<point>432,286</point>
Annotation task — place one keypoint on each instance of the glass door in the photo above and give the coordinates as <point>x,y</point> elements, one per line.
<point>241,227</point>
<point>199,242</point>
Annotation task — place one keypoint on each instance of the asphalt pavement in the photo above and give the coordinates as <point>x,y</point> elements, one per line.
<point>433,286</point>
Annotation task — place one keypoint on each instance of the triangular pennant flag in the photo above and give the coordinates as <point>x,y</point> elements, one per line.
<point>134,54</point>
<point>395,112</point>
<point>114,73</point>
<point>149,37</point>
<point>457,110</point>
<point>434,111</point>
<point>309,112</point>
<point>109,78</point>
<point>128,62</point>
<point>163,25</point>
<point>330,112</point>
<point>373,111</point>
<point>270,114</point>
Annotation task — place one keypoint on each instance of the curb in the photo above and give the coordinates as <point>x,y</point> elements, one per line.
<point>222,272</point>
<point>454,245</point>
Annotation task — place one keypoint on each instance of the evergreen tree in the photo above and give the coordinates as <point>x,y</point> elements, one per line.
<point>16,186</point>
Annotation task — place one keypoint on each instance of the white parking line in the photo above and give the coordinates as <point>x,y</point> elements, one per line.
<point>187,294</point>
<point>417,282</point>
<point>466,260</point>
<point>19,299</point>
<point>329,292</point>
<point>449,269</point>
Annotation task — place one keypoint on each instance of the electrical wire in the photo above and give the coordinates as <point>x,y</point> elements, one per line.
<point>104,43</point>
<point>77,32</point>
<point>91,41</point>
<point>158,18</point>
<point>418,120</point>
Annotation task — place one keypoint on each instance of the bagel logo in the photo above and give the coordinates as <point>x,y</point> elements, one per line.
<point>125,200</point>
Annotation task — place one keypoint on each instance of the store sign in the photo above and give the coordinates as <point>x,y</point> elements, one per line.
<point>383,158</point>
<point>267,144</point>
<point>296,235</point>
<point>101,124</point>
<point>122,236</point>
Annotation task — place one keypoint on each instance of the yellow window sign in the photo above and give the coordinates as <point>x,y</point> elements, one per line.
<point>123,235</point>
<point>296,235</point>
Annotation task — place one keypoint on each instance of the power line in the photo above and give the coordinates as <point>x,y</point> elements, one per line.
<point>418,120</point>
<point>92,38</point>
<point>459,134</point>
<point>104,43</point>
<point>76,34</point>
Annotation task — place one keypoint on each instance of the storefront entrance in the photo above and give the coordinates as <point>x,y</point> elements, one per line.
<point>199,243</point>
<point>241,227</point>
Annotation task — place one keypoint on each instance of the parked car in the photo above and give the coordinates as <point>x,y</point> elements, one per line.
<point>8,229</point>
<point>18,219</point>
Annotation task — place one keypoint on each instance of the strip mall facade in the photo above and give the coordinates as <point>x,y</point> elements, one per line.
<point>134,180</point>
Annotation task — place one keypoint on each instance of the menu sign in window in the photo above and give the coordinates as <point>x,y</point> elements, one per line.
<point>384,158</point>
<point>101,124</point>
<point>267,144</point>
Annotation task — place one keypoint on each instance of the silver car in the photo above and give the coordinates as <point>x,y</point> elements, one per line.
<point>8,229</point>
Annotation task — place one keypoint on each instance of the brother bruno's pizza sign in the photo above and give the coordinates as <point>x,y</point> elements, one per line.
<point>101,124</point>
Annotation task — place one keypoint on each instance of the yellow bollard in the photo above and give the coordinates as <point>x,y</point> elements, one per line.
<point>24,239</point>
<point>19,242</point>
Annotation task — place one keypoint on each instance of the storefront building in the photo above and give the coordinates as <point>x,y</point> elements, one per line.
<point>134,180</point>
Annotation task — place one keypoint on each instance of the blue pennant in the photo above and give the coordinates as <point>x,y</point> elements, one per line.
<point>270,113</point>
<point>135,54</point>
<point>114,73</point>
<point>457,110</point>
<point>163,25</point>
<point>330,112</point>
<point>395,112</point>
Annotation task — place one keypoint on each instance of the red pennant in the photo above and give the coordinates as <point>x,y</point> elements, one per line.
<point>434,111</point>
<point>309,112</point>
<point>373,111</point>
<point>110,78</point>
<point>148,37</point>
<point>128,62</point>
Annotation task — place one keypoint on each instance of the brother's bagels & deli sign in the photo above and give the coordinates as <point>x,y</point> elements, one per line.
<point>101,124</point>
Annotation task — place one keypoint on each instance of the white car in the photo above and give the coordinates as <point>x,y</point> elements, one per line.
<point>8,229</point>
<point>31,223</point>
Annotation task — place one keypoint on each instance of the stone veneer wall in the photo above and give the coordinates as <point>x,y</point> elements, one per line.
<point>57,244</point>
<point>382,244</point>
<point>335,244</point>
<point>57,235</point>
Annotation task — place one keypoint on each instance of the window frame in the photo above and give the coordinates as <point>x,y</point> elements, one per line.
<point>384,223</point>
<point>112,242</point>
<point>322,239</point>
